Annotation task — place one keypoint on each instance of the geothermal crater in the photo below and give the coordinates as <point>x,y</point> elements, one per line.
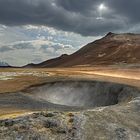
<point>84,93</point>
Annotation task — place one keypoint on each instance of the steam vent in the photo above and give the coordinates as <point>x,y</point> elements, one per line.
<point>83,93</point>
<point>73,110</point>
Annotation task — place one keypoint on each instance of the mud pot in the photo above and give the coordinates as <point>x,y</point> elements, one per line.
<point>83,93</point>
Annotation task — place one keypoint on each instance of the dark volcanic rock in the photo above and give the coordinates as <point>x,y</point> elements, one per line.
<point>40,127</point>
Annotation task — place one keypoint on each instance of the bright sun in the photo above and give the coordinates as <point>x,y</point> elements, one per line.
<point>102,7</point>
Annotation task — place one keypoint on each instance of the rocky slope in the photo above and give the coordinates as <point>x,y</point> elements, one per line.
<point>109,50</point>
<point>107,123</point>
<point>49,121</point>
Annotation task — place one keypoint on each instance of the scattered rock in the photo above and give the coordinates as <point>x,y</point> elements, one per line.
<point>50,124</point>
<point>121,133</point>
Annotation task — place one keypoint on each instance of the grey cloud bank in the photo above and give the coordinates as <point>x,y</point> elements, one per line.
<point>32,31</point>
<point>79,16</point>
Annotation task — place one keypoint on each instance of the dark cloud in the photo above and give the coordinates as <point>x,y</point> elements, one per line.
<point>18,46</point>
<point>5,49</point>
<point>24,45</point>
<point>80,16</point>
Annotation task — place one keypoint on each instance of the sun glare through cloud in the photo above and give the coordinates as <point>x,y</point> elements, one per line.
<point>102,8</point>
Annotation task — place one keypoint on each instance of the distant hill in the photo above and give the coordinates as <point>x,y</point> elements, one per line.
<point>4,64</point>
<point>109,50</point>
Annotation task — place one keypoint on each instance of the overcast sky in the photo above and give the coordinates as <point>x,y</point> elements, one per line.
<point>36,30</point>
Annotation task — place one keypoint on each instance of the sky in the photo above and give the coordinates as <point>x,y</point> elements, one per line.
<point>32,31</point>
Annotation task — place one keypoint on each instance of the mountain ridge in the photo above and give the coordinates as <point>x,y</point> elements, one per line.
<point>4,64</point>
<point>109,50</point>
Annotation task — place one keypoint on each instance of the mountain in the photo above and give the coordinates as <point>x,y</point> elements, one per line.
<point>50,63</point>
<point>109,50</point>
<point>4,64</point>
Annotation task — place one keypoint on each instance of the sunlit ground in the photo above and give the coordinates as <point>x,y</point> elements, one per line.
<point>15,80</point>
